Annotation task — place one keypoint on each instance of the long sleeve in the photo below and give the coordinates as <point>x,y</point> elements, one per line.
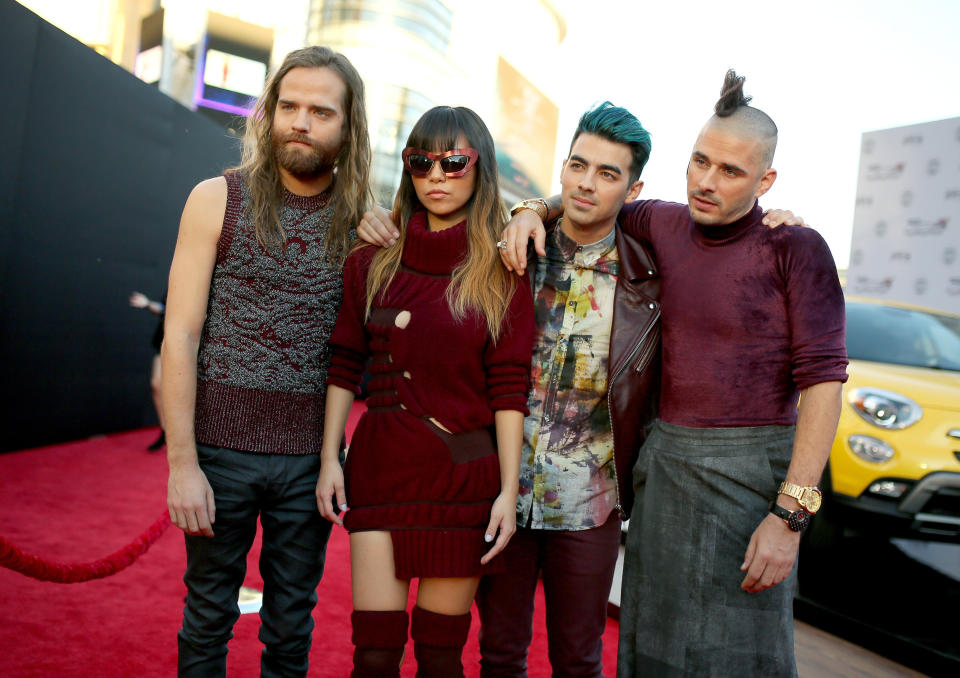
<point>507,362</point>
<point>349,341</point>
<point>815,309</point>
<point>636,217</point>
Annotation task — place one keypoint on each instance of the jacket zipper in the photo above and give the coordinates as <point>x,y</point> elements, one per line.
<point>613,437</point>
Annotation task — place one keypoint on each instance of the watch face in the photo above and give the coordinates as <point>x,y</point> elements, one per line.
<point>811,500</point>
<point>798,520</point>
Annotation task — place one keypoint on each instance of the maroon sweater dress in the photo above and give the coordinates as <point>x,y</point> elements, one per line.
<point>422,462</point>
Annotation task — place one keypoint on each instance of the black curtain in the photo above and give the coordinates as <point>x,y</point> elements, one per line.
<point>95,166</point>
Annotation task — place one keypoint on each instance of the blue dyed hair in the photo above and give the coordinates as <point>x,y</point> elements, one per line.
<point>620,126</point>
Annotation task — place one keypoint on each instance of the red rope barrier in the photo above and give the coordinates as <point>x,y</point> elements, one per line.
<point>36,567</point>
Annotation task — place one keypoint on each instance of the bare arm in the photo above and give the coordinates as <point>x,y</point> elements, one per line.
<point>503,514</point>
<point>330,483</point>
<point>189,496</point>
<point>773,547</point>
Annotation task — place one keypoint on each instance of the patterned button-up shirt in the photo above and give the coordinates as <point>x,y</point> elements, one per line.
<point>567,476</point>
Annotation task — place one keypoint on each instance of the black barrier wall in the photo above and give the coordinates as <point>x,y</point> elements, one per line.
<point>94,169</point>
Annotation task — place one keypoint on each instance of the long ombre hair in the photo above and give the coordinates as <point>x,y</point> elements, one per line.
<point>351,183</point>
<point>479,282</point>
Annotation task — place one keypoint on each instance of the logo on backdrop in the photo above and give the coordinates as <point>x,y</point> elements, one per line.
<point>913,139</point>
<point>867,285</point>
<point>933,167</point>
<point>920,286</point>
<point>918,226</point>
<point>880,229</point>
<point>856,257</point>
<point>864,200</point>
<point>881,172</point>
<point>953,286</point>
<point>949,255</point>
<point>907,198</point>
<point>870,144</point>
<point>900,255</point>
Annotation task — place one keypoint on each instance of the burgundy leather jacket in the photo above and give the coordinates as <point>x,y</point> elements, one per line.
<point>633,369</point>
<point>633,372</point>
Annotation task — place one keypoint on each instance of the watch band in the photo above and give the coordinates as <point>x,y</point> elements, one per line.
<point>796,520</point>
<point>809,496</point>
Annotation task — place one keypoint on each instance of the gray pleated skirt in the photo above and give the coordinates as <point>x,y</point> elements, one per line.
<point>700,495</point>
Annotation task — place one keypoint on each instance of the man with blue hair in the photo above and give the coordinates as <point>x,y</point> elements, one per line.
<point>595,300</point>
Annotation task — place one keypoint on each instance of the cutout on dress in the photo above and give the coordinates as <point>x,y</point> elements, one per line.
<point>439,425</point>
<point>464,447</point>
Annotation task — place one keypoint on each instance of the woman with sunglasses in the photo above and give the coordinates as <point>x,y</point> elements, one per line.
<point>431,477</point>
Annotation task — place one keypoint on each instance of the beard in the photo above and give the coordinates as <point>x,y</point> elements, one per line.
<point>319,158</point>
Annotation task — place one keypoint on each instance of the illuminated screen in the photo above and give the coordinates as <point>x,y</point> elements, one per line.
<point>230,83</point>
<point>234,73</point>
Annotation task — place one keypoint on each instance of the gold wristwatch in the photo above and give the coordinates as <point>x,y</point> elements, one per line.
<point>809,497</point>
<point>538,205</point>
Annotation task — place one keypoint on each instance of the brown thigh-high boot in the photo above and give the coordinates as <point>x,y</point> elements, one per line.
<point>378,639</point>
<point>438,641</point>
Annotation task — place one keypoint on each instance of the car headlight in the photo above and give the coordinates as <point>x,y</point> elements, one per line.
<point>885,409</point>
<point>870,449</point>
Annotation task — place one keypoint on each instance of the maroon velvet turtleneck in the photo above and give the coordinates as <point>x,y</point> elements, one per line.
<point>751,315</point>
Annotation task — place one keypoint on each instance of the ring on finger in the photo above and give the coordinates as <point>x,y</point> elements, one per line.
<point>502,244</point>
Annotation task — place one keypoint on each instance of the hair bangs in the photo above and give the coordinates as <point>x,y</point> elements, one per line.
<point>437,131</point>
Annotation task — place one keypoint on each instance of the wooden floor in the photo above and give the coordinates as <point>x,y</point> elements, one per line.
<point>821,655</point>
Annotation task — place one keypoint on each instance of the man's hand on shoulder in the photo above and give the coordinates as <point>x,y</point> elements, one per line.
<point>377,228</point>
<point>774,218</point>
<point>524,225</point>
<point>770,556</point>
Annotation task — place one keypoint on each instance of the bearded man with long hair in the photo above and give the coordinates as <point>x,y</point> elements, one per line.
<point>255,286</point>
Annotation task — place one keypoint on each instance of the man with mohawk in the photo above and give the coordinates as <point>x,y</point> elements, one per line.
<point>726,482</point>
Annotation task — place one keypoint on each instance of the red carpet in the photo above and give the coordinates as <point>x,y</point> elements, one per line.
<point>81,501</point>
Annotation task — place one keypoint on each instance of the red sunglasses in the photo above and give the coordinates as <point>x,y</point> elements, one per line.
<point>453,163</point>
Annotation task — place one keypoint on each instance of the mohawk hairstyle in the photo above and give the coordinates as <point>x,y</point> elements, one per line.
<point>733,111</point>
<point>731,96</point>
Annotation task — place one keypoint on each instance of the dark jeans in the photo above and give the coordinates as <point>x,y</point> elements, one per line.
<point>280,490</point>
<point>577,569</point>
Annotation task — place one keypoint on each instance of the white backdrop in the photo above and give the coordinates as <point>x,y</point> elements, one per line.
<point>906,225</point>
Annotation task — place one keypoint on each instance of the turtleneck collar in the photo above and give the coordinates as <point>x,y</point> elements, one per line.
<point>714,236</point>
<point>433,252</point>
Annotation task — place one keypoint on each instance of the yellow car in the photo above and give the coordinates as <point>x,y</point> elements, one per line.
<point>895,463</point>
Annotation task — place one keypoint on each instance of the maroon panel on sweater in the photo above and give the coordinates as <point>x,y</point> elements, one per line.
<point>750,315</point>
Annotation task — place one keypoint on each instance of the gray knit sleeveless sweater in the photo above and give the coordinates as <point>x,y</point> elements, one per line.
<point>263,358</point>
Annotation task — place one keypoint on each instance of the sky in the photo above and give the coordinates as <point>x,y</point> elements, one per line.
<point>825,71</point>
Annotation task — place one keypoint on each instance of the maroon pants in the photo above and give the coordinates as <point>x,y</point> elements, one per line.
<point>577,569</point>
